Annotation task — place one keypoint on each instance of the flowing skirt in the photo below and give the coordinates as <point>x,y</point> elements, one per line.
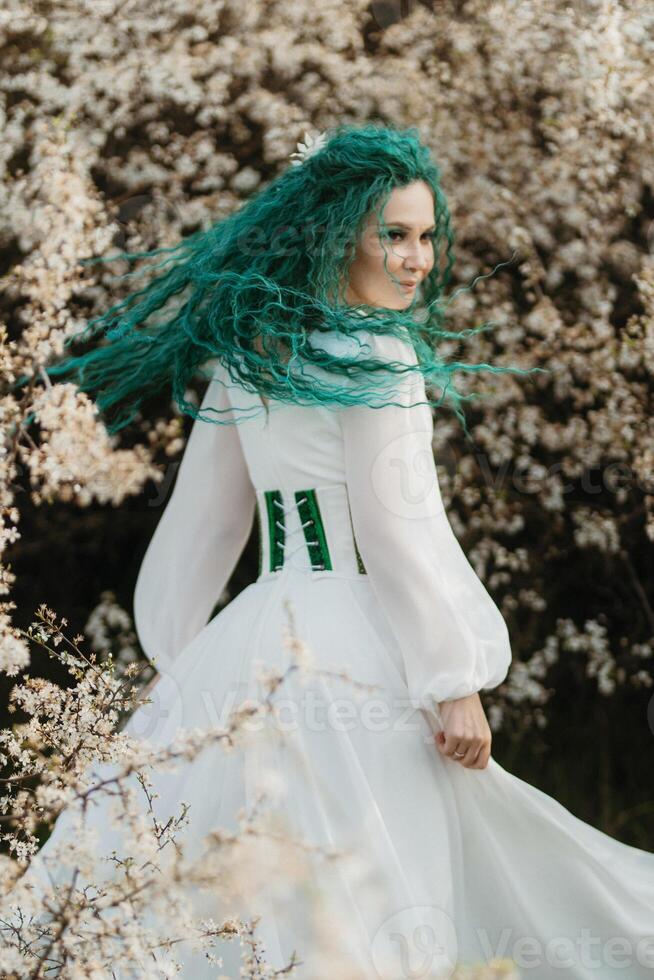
<point>439,864</point>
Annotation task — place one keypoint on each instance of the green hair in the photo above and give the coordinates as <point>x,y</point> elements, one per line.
<point>276,269</point>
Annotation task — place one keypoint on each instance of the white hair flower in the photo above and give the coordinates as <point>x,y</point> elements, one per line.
<point>310,146</point>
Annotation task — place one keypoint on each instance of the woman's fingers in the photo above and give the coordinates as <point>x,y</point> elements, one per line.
<point>483,757</point>
<point>466,735</point>
<point>473,752</point>
<point>469,753</point>
<point>477,755</point>
<point>452,745</point>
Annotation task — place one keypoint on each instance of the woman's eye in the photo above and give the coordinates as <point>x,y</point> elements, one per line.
<point>427,236</point>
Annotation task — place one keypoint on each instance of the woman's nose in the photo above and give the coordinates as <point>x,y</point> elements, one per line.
<point>417,259</point>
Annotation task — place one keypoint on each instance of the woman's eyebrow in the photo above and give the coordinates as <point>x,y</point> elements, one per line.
<point>400,224</point>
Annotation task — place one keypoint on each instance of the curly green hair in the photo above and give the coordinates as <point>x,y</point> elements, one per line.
<point>249,289</point>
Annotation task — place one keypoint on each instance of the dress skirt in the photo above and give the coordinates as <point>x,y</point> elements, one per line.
<point>438,864</point>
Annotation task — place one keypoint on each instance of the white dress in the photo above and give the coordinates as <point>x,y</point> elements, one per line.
<point>354,536</point>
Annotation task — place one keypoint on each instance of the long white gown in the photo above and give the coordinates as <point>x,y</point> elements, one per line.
<point>467,864</point>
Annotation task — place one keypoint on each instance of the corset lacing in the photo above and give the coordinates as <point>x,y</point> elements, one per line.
<point>298,530</point>
<point>309,529</point>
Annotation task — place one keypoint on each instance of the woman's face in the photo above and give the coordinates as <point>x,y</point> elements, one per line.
<point>409,251</point>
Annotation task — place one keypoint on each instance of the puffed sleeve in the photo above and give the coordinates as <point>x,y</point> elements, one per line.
<point>453,638</point>
<point>200,536</point>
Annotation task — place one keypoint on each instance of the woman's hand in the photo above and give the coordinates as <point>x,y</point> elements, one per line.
<point>465,729</point>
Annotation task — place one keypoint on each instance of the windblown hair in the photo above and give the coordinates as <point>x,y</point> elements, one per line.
<point>250,288</point>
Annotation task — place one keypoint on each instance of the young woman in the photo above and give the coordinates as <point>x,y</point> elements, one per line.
<point>316,309</point>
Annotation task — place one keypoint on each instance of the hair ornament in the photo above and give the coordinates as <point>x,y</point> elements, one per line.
<point>310,146</point>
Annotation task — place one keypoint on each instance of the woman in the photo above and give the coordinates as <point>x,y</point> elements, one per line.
<point>325,435</point>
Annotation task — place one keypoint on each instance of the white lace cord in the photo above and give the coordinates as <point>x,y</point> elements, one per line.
<point>300,544</point>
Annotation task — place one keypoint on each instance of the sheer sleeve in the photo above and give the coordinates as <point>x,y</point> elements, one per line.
<point>453,638</point>
<point>198,540</point>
